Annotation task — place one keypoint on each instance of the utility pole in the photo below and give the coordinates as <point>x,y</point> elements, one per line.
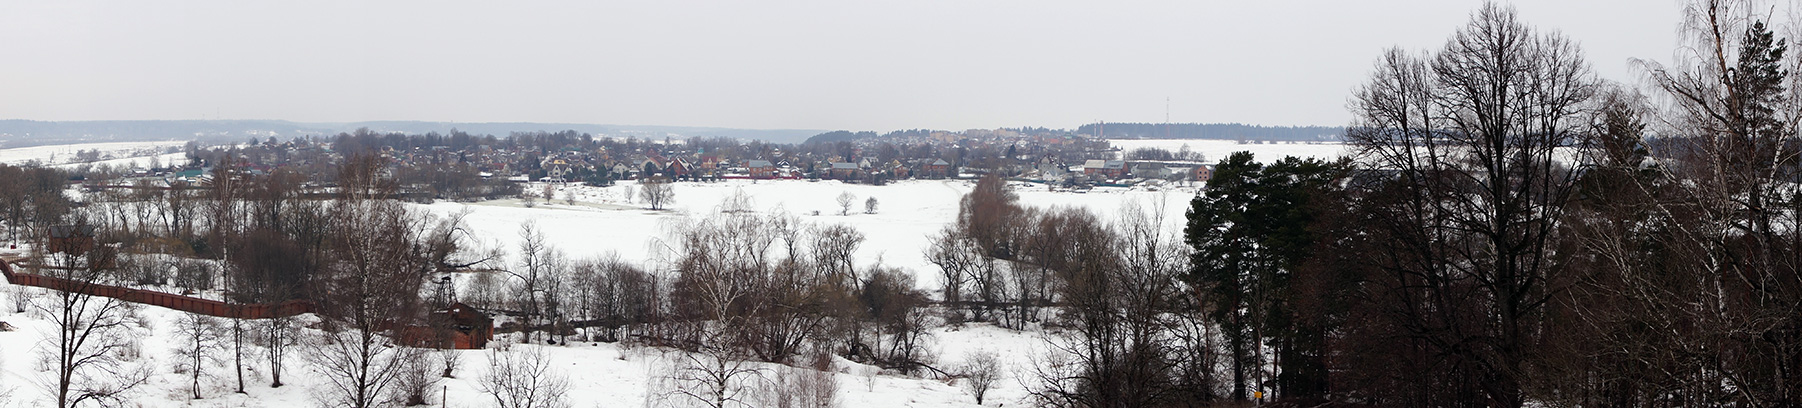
<point>1166,117</point>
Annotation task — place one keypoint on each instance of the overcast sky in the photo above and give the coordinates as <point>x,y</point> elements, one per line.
<point>830,64</point>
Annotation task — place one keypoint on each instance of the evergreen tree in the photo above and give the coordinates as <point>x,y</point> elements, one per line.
<point>1251,231</point>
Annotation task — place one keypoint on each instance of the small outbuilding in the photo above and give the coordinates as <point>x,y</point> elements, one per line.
<point>459,326</point>
<point>71,239</point>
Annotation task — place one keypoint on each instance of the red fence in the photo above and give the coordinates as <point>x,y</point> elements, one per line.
<point>178,302</point>
<point>416,336</point>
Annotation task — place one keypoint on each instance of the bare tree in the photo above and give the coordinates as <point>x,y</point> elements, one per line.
<point>1473,135</point>
<point>19,296</point>
<point>869,205</point>
<point>91,332</point>
<point>556,284</point>
<point>415,380</point>
<point>202,339</point>
<point>535,265</point>
<point>484,291</point>
<point>276,335</point>
<point>706,380</point>
<point>656,193</point>
<point>956,257</point>
<point>451,246</point>
<point>980,370</point>
<point>451,359</point>
<point>358,368</point>
<point>802,387</point>
<point>738,202</point>
<point>613,295</point>
<point>372,283</point>
<point>833,249</point>
<point>1119,289</point>
<point>990,216</point>
<point>845,200</point>
<point>1704,251</point>
<point>522,377</point>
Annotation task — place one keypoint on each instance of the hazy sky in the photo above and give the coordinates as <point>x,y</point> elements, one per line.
<point>861,65</point>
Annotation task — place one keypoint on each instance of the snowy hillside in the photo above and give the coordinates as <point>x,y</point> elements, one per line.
<point>599,374</point>
<point>116,153</point>
<point>602,221</point>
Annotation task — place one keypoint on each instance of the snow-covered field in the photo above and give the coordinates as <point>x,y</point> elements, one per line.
<point>908,213</point>
<point>1215,150</point>
<point>602,221</point>
<point>140,162</point>
<point>606,375</point>
<point>599,374</point>
<point>135,152</point>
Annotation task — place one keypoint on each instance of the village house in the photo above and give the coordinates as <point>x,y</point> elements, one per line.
<point>1148,170</point>
<point>459,327</point>
<point>761,169</point>
<point>1105,169</point>
<point>679,169</point>
<point>1201,173</point>
<point>936,168</point>
<point>844,171</point>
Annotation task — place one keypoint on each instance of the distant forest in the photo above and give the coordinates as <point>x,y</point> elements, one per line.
<point>16,133</point>
<point>1226,131</point>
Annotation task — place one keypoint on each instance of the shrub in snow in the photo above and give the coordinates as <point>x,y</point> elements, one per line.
<point>195,275</point>
<point>415,381</point>
<point>980,370</point>
<point>801,387</point>
<point>703,380</point>
<point>523,378</point>
<point>19,297</point>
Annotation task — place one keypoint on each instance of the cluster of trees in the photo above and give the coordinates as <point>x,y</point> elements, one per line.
<point>1510,231</point>
<point>1514,231</point>
<point>1142,317</point>
<point>1126,330</point>
<point>1219,131</point>
<point>1160,154</point>
<point>31,199</point>
<point>738,287</point>
<point>360,258</point>
<point>767,287</point>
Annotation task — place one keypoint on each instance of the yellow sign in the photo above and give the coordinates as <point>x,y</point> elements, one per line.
<point>1257,394</point>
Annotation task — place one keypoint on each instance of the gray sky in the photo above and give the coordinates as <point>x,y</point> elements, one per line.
<point>861,65</point>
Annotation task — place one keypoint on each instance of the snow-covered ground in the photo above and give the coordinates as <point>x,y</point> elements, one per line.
<point>602,221</point>
<point>139,162</point>
<point>60,154</point>
<point>908,213</point>
<point>1215,150</point>
<point>599,374</point>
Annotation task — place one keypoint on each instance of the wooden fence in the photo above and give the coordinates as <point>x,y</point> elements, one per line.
<point>474,337</point>
<point>169,300</point>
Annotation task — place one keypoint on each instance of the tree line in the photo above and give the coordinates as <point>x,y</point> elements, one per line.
<point>1508,231</point>
<point>1217,131</point>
